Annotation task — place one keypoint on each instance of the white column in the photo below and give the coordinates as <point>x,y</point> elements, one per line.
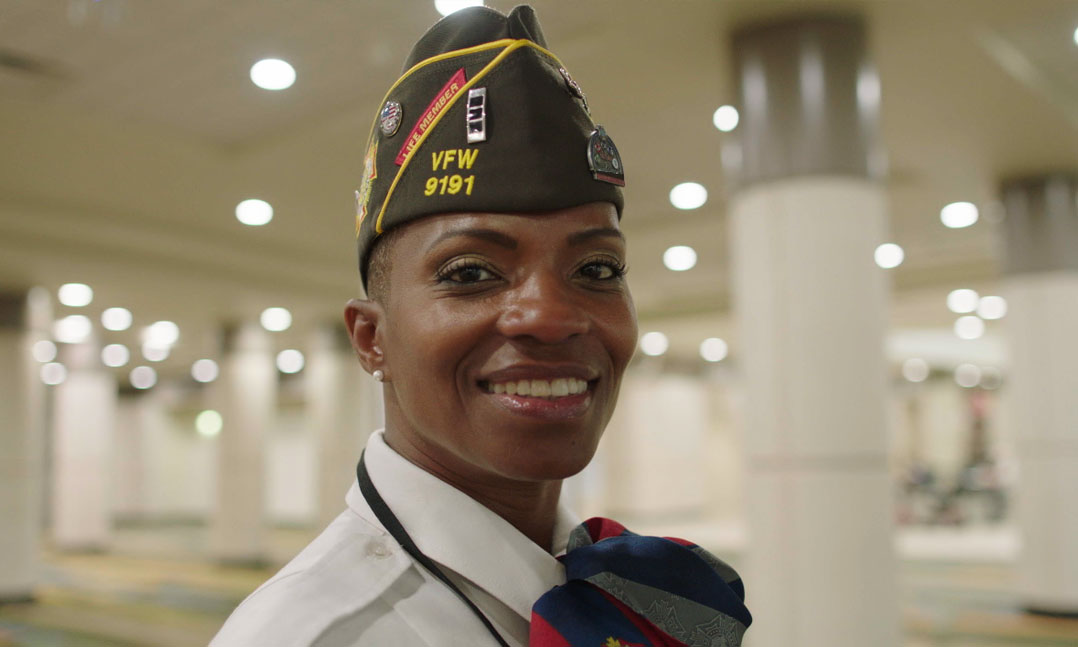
<point>345,406</point>
<point>811,309</point>
<point>128,484</point>
<point>1041,288</point>
<point>83,417</point>
<point>1043,392</point>
<point>21,435</point>
<point>247,398</point>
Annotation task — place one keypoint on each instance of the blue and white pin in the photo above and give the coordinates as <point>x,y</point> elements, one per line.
<point>389,120</point>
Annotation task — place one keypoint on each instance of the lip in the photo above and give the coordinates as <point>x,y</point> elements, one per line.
<point>563,408</point>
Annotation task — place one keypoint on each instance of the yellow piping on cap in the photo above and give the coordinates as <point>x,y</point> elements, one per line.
<point>512,47</point>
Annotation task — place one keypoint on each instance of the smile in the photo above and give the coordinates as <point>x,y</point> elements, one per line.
<point>557,388</point>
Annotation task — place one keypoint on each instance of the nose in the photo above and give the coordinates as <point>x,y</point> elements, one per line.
<point>542,308</point>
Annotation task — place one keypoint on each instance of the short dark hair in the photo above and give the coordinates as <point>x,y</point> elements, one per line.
<point>379,264</point>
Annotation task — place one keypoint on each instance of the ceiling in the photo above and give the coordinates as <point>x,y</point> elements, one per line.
<point>129,131</point>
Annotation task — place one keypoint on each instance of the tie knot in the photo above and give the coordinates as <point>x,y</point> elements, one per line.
<point>626,590</point>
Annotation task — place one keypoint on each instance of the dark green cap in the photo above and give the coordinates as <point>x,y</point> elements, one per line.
<point>483,119</point>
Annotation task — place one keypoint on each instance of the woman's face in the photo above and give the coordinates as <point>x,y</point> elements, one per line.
<point>504,340</point>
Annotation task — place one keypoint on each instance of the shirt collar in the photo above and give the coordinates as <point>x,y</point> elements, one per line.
<point>461,534</point>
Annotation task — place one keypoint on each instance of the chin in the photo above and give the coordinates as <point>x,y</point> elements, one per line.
<point>537,463</point>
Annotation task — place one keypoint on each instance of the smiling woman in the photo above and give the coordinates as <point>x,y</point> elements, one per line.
<point>481,301</point>
<point>500,324</point>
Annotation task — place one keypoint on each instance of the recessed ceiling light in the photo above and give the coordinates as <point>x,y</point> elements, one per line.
<point>143,377</point>
<point>115,355</point>
<point>160,334</point>
<point>688,195</point>
<point>273,74</point>
<point>446,7</point>
<point>75,295</point>
<point>204,370</point>
<point>992,307</point>
<point>44,351</point>
<point>1076,35</point>
<point>116,319</point>
<point>290,361</point>
<point>276,319</point>
<point>725,118</point>
<point>915,369</point>
<point>967,375</point>
<point>53,373</point>
<point>713,349</point>
<point>208,423</point>
<point>654,343</point>
<point>958,215</point>
<point>962,301</point>
<point>969,327</point>
<point>679,258</point>
<point>73,329</point>
<point>155,353</point>
<point>889,255</point>
<point>254,212</point>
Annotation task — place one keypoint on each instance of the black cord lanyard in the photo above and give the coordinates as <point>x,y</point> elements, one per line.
<point>390,522</point>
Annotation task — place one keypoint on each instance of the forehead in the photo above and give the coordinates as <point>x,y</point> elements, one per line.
<point>550,228</point>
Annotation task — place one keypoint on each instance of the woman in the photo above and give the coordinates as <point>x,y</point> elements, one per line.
<point>500,324</point>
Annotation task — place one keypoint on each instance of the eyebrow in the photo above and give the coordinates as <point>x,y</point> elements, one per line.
<point>496,237</point>
<point>508,242</point>
<point>587,235</point>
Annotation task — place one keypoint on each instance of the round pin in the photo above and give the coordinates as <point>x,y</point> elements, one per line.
<point>390,118</point>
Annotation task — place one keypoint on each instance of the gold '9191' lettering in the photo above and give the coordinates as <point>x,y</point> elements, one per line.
<point>451,184</point>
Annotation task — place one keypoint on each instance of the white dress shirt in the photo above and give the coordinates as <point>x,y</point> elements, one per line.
<point>354,586</point>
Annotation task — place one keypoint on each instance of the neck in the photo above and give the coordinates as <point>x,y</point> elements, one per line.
<point>533,512</point>
<point>529,506</point>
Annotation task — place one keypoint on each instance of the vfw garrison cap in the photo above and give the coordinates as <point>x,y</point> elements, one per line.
<point>483,119</point>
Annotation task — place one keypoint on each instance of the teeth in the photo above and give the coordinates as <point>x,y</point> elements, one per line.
<point>557,388</point>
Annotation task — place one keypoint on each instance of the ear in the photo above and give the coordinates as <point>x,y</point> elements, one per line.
<point>364,319</point>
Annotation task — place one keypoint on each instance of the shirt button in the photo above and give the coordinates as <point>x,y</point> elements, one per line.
<point>378,550</point>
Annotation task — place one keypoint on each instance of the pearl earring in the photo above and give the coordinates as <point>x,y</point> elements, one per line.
<point>379,375</point>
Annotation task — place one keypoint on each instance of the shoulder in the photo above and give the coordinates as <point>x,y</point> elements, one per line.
<point>349,565</point>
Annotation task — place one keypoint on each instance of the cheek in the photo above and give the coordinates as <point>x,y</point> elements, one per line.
<point>620,333</point>
<point>431,342</point>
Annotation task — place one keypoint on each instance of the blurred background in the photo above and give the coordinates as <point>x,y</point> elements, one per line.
<point>853,234</point>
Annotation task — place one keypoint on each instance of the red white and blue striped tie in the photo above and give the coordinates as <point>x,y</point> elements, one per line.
<point>625,590</point>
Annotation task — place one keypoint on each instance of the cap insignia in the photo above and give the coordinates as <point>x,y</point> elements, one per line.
<point>390,118</point>
<point>603,158</point>
<point>370,171</point>
<point>574,88</point>
<point>477,115</point>
<point>437,104</point>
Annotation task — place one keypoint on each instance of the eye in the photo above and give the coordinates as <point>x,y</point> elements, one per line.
<point>465,271</point>
<point>602,269</point>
